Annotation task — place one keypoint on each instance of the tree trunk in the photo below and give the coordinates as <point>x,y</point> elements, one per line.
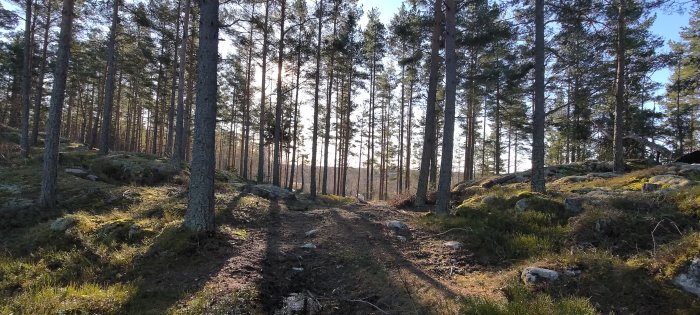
<point>261,129</point>
<point>296,115</point>
<point>199,217</point>
<point>245,169</point>
<point>39,92</point>
<point>173,87</point>
<point>109,86</point>
<point>429,134</point>
<point>314,136</point>
<point>326,138</point>
<point>47,197</point>
<point>443,192</point>
<point>278,107</point>
<point>26,80</point>
<point>619,150</point>
<point>537,178</point>
<point>179,151</point>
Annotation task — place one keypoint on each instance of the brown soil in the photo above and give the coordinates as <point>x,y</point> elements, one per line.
<point>359,265</point>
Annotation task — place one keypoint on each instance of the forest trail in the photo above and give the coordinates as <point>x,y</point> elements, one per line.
<point>356,264</point>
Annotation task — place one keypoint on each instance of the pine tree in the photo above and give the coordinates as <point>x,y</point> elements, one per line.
<point>47,197</point>
<point>199,217</point>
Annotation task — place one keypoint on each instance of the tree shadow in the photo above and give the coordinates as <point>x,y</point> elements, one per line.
<point>353,270</point>
<point>176,265</point>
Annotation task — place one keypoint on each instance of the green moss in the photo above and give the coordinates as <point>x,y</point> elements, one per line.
<point>87,298</point>
<point>616,285</point>
<point>497,233</point>
<point>523,301</point>
<point>335,200</point>
<point>687,199</point>
<point>671,259</point>
<point>212,301</point>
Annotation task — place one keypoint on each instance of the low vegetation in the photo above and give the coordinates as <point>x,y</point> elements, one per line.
<point>124,251</point>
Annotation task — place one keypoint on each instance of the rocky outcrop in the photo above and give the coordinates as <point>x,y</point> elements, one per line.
<point>62,224</point>
<point>690,279</point>
<point>133,169</point>
<point>270,192</point>
<point>536,275</point>
<point>670,181</point>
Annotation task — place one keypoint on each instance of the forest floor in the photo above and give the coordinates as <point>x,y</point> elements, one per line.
<point>115,245</point>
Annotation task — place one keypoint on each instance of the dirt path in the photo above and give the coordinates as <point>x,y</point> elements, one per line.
<point>355,263</point>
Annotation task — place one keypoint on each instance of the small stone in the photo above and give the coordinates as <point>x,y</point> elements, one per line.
<point>311,233</point>
<point>396,225</point>
<point>453,244</point>
<point>649,187</point>
<point>62,224</point>
<point>298,269</point>
<point>401,238</point>
<point>535,275</point>
<point>92,177</point>
<point>308,246</point>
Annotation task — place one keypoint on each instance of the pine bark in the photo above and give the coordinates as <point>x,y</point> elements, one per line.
<point>179,150</point>
<point>429,134</point>
<point>26,80</point>
<point>39,92</point>
<point>618,153</point>
<point>314,136</point>
<point>278,107</point>
<point>199,217</point>
<point>261,127</point>
<point>109,85</point>
<point>443,193</point>
<point>47,197</point>
<point>537,178</point>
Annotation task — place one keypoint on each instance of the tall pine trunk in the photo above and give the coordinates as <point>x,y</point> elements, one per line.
<point>109,85</point>
<point>443,193</point>
<point>314,136</point>
<point>26,80</point>
<point>619,150</point>
<point>199,217</point>
<point>179,151</point>
<point>47,197</point>
<point>327,137</point>
<point>39,92</point>
<point>261,127</point>
<point>296,115</point>
<point>278,106</point>
<point>429,134</point>
<point>537,178</point>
